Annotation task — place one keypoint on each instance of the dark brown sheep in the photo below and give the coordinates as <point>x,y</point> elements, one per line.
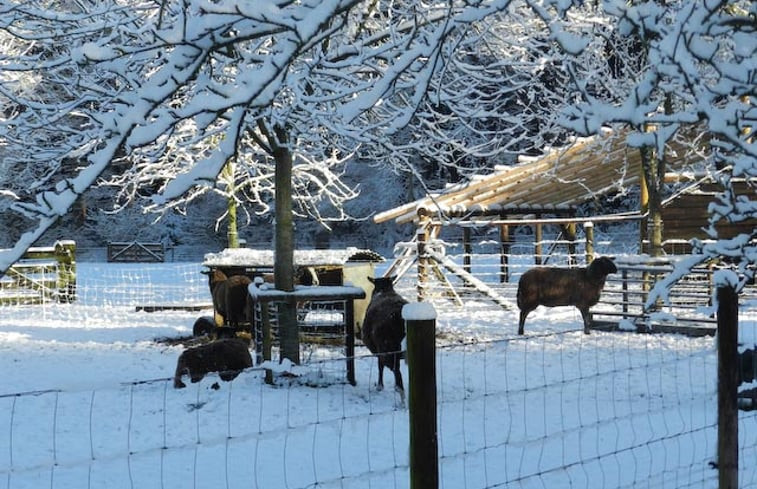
<point>203,326</point>
<point>384,329</point>
<point>229,296</point>
<point>227,357</point>
<point>550,286</point>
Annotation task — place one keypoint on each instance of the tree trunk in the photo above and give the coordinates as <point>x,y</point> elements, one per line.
<point>232,233</point>
<point>283,268</point>
<point>651,167</point>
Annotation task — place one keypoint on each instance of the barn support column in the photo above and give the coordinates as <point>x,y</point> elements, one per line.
<point>569,230</point>
<point>538,236</point>
<point>589,232</point>
<point>467,251</point>
<point>505,238</point>
<point>423,234</point>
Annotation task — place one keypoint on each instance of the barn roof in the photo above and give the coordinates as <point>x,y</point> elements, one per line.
<point>558,181</point>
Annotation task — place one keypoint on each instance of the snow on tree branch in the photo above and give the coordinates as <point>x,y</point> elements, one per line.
<point>700,75</point>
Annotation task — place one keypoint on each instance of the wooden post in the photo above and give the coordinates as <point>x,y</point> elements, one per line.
<point>420,320</point>
<point>267,339</point>
<point>570,234</point>
<point>65,254</point>
<point>227,175</point>
<point>538,235</point>
<point>466,250</point>
<point>624,273</point>
<point>424,232</point>
<point>504,255</point>
<point>589,232</point>
<point>728,382</point>
<point>643,210</point>
<point>349,346</point>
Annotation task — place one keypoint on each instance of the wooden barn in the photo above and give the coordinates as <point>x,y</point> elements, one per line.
<point>546,194</point>
<point>548,191</point>
<point>685,214</point>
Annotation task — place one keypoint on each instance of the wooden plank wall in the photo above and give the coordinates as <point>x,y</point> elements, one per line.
<point>685,216</point>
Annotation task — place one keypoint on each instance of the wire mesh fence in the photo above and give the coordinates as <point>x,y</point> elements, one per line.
<point>552,410</point>
<point>555,408</point>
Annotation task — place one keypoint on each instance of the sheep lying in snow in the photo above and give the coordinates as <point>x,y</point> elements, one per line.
<point>227,357</point>
<point>204,325</point>
<point>229,296</point>
<point>384,329</point>
<point>549,286</point>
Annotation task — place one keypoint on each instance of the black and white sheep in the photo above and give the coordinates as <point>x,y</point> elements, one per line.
<point>550,286</point>
<point>383,329</point>
<point>229,296</point>
<point>226,356</point>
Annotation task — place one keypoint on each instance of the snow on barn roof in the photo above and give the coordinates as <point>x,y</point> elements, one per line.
<point>309,258</point>
<point>559,180</point>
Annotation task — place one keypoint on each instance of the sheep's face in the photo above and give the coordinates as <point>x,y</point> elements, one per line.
<point>602,266</point>
<point>217,276</point>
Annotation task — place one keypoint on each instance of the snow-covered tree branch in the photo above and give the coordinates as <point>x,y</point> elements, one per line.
<point>699,76</point>
<point>158,98</point>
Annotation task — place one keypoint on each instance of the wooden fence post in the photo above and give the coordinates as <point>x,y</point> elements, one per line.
<point>349,326</point>
<point>570,234</point>
<point>624,287</point>
<point>65,255</point>
<point>420,321</point>
<point>424,234</point>
<point>504,254</point>
<point>589,232</point>
<point>467,250</point>
<point>265,317</point>
<point>728,383</point>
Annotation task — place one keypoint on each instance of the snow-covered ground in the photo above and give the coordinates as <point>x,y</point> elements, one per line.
<point>556,408</point>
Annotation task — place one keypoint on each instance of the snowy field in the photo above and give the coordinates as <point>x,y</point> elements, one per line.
<point>87,401</point>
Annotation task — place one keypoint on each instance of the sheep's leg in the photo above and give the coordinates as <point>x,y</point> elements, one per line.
<point>177,383</point>
<point>522,321</point>
<point>586,315</point>
<point>228,375</point>
<point>398,385</point>
<point>180,371</point>
<point>380,385</point>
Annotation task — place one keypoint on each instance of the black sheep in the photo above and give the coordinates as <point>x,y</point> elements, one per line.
<point>203,326</point>
<point>229,296</point>
<point>550,286</point>
<point>226,356</point>
<point>384,329</point>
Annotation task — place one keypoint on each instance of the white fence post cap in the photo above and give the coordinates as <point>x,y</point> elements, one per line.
<point>418,311</point>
